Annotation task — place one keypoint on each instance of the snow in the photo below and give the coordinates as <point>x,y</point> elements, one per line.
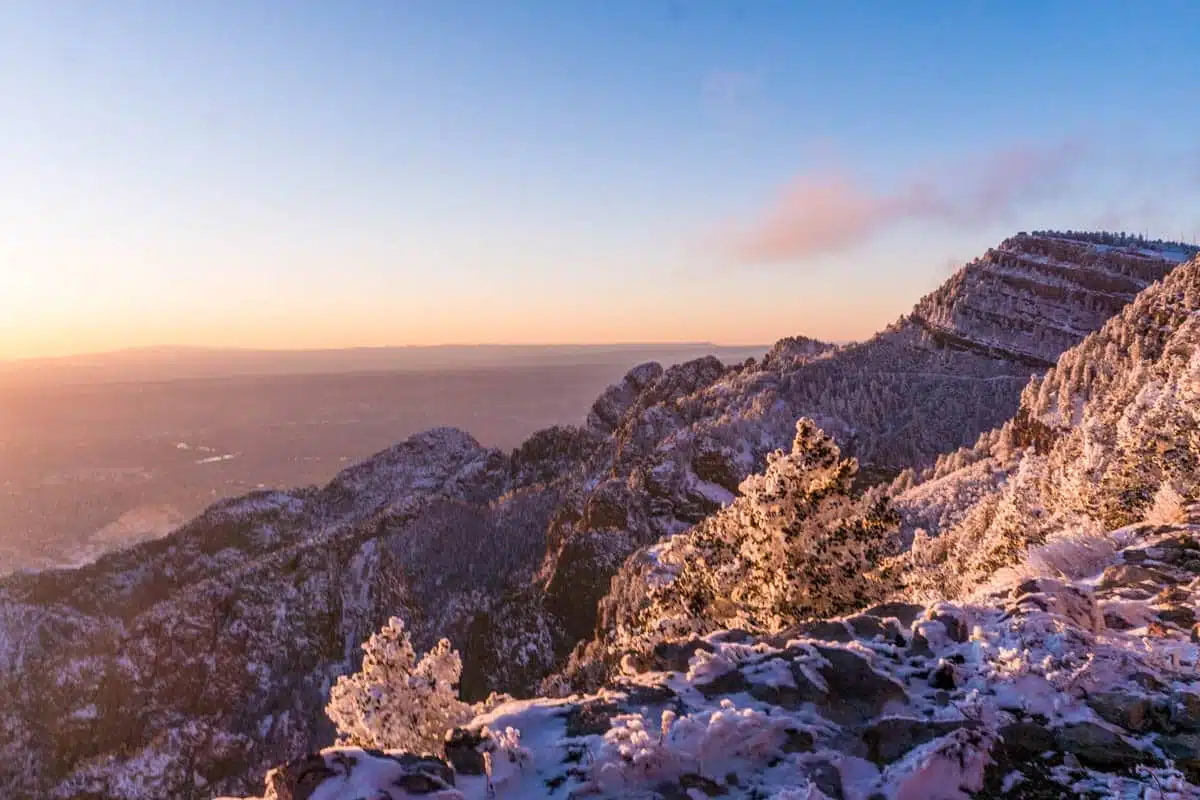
<point>944,769</point>
<point>774,673</point>
<point>1016,663</point>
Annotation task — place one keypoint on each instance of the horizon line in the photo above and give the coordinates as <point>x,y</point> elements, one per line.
<point>218,349</point>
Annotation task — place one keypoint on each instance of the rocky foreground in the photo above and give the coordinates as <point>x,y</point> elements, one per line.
<point>1039,688</point>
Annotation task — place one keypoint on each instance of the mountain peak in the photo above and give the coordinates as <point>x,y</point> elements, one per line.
<point>1035,295</point>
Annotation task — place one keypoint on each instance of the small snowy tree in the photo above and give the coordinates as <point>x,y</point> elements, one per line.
<point>812,546</point>
<point>395,702</point>
<point>796,544</point>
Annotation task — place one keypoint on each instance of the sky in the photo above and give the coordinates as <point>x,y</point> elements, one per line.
<point>296,174</point>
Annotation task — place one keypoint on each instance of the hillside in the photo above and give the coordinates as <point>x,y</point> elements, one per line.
<point>1109,436</point>
<point>1106,438</point>
<point>208,655</point>
<point>1064,663</point>
<point>1028,693</point>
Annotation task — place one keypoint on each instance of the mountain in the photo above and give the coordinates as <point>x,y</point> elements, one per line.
<point>186,666</point>
<point>1107,437</point>
<point>1044,640</point>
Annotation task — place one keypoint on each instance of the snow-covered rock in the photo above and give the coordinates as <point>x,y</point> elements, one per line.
<point>1026,692</point>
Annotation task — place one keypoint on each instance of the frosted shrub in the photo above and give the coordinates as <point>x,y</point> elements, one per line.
<point>1075,552</point>
<point>395,702</point>
<point>507,743</point>
<point>636,753</point>
<point>927,550</point>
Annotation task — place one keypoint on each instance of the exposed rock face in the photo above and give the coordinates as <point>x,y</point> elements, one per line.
<point>186,666</point>
<point>1044,706</point>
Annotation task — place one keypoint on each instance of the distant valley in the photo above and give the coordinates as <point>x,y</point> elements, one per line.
<point>97,452</point>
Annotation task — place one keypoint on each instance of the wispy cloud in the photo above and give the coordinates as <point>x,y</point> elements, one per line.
<point>824,213</point>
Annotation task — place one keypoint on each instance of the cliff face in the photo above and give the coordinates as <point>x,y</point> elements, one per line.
<point>186,666</point>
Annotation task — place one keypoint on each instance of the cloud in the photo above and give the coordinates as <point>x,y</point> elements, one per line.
<point>830,212</point>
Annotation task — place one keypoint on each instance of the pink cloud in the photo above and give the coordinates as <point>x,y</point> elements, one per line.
<point>820,214</point>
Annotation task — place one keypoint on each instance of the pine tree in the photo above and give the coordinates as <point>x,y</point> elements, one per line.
<point>797,543</point>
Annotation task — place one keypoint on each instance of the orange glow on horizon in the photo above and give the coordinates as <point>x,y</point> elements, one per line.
<point>63,341</point>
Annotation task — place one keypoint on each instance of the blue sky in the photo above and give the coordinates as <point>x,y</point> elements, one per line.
<point>281,173</point>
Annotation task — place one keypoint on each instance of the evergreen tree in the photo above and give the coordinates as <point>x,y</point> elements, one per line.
<point>797,543</point>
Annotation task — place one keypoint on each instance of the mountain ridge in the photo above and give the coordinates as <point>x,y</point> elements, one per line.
<point>257,605</point>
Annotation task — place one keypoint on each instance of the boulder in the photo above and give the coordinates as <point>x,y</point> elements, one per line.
<point>463,753</point>
<point>904,613</point>
<point>955,623</point>
<point>826,777</point>
<point>309,776</point>
<point>1133,575</point>
<point>887,740</point>
<point>1133,712</point>
<point>1184,750</point>
<point>856,691</point>
<point>591,719</point>
<point>675,656</point>
<point>1099,748</point>
<point>823,630</point>
<point>866,626</point>
<point>1180,616</point>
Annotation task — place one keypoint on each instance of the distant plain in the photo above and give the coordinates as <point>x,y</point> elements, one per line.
<point>101,452</point>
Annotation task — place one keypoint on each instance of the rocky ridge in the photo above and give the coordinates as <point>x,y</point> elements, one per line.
<point>1109,436</point>
<point>208,655</point>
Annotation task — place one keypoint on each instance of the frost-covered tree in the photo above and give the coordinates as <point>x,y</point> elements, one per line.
<point>810,548</point>
<point>395,701</point>
<point>797,543</point>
